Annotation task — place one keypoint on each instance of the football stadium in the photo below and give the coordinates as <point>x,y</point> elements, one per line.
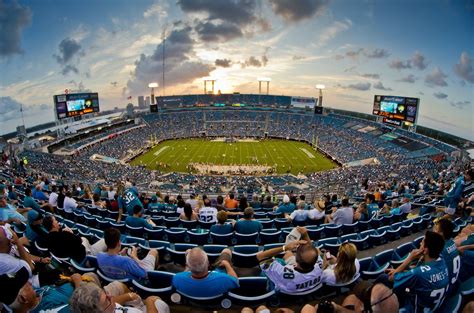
<point>347,196</point>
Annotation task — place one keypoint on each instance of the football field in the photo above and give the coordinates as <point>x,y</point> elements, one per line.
<point>284,155</point>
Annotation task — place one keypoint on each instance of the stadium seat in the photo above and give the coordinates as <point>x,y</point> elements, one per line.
<point>401,253</point>
<point>135,241</point>
<point>376,222</point>
<point>362,243</point>
<point>387,220</point>
<point>349,237</point>
<point>213,251</point>
<point>467,287</point>
<point>218,301</point>
<point>315,233</point>
<point>350,228</point>
<point>393,233</point>
<point>281,223</point>
<point>222,239</point>
<point>245,256</point>
<point>378,238</point>
<point>108,280</point>
<point>417,242</point>
<point>333,231</point>
<point>369,269</point>
<point>450,304</point>
<point>406,228</point>
<point>266,223</point>
<point>112,214</point>
<point>90,221</point>
<point>267,237</point>
<point>206,225</point>
<point>245,239</point>
<point>199,238</point>
<point>89,265</point>
<point>364,225</point>
<point>120,226</point>
<point>383,258</point>
<point>134,231</point>
<point>158,283</point>
<point>272,245</point>
<point>102,224</point>
<point>189,224</point>
<point>155,244</point>
<point>329,244</point>
<point>252,291</point>
<point>175,235</point>
<point>172,222</point>
<point>177,254</point>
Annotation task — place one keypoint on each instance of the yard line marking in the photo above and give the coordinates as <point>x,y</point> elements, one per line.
<point>161,150</point>
<point>309,154</point>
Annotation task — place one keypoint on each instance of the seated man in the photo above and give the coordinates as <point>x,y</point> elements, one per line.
<point>70,204</point>
<point>301,267</point>
<point>137,220</point>
<point>64,243</point>
<point>343,215</point>
<point>197,281</point>
<point>248,225</point>
<point>9,214</point>
<point>29,202</point>
<point>300,215</point>
<point>117,265</point>
<point>450,254</point>
<point>427,282</point>
<point>208,213</point>
<point>286,207</point>
<point>39,194</point>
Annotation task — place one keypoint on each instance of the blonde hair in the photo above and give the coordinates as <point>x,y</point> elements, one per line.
<point>345,264</point>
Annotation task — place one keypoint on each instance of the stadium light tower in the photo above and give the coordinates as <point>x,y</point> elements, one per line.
<point>153,86</point>
<point>266,80</point>
<point>320,87</point>
<point>209,79</point>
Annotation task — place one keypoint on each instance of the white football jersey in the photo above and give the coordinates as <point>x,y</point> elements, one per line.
<point>208,214</point>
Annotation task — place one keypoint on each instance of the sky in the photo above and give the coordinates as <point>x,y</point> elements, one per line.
<point>357,48</point>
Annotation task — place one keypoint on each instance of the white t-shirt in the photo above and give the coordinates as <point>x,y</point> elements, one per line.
<point>329,277</point>
<point>299,215</point>
<point>208,214</point>
<point>53,199</point>
<point>11,264</point>
<point>111,195</point>
<point>289,280</point>
<point>69,204</point>
<point>315,214</point>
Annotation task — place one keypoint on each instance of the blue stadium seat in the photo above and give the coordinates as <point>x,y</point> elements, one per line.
<point>134,231</point>
<point>158,283</point>
<point>269,237</point>
<point>102,224</point>
<point>108,280</point>
<point>333,230</point>
<point>369,269</point>
<point>406,228</point>
<point>135,240</point>
<point>417,241</point>
<point>349,237</point>
<point>378,238</point>
<point>172,222</point>
<point>198,238</point>
<point>387,220</point>
<point>383,258</point>
<point>189,224</point>
<point>245,239</point>
<point>401,253</point>
<point>89,265</point>
<point>112,214</point>
<point>450,304</point>
<point>266,223</point>
<point>252,291</point>
<point>90,221</point>
<point>220,300</point>
<point>222,239</point>
<point>206,225</point>
<point>177,254</point>
<point>154,234</point>
<point>376,222</point>
<point>329,244</point>
<point>362,243</point>
<point>315,233</point>
<point>272,245</point>
<point>393,233</point>
<point>213,251</point>
<point>245,256</point>
<point>350,228</point>
<point>364,225</point>
<point>120,226</point>
<point>175,235</point>
<point>281,223</point>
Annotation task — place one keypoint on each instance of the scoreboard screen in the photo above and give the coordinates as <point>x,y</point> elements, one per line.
<point>396,110</point>
<point>76,104</point>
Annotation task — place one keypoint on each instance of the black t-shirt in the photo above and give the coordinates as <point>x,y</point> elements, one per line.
<point>61,197</point>
<point>63,244</point>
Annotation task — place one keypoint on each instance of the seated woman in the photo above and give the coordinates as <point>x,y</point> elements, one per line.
<point>222,228</point>
<point>361,214</point>
<point>318,212</point>
<point>395,209</point>
<point>188,214</point>
<point>344,268</point>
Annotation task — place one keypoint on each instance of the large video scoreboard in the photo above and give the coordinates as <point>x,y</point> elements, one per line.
<point>396,110</point>
<point>76,104</point>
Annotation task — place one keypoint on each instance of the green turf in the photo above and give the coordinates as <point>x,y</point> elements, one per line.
<point>287,155</point>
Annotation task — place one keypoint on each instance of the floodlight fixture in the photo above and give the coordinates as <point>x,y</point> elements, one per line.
<point>264,80</point>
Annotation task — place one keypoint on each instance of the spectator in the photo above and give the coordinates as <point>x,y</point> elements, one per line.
<point>8,214</point>
<point>154,205</point>
<point>243,204</point>
<point>53,197</point>
<point>199,282</point>
<point>286,206</point>
<point>268,203</point>
<point>395,209</point>
<point>208,213</point>
<point>64,243</point>
<point>38,194</point>
<point>192,201</point>
<point>372,206</point>
<point>221,228</point>
<point>344,267</point>
<point>90,298</point>
<point>180,206</point>
<point>427,282</point>
<point>34,228</point>
<point>188,213</point>
<point>29,202</point>
<point>220,203</point>
<point>61,196</point>
<point>300,215</point>
<point>455,193</point>
<point>255,203</point>
<point>230,202</point>
<point>248,225</point>
<point>405,208</point>
<point>96,202</point>
<point>450,254</point>
<point>70,203</point>
<point>361,214</point>
<point>12,195</point>
<point>130,199</point>
<point>343,215</point>
<point>318,212</point>
<point>117,265</point>
<point>300,269</point>
<point>137,220</point>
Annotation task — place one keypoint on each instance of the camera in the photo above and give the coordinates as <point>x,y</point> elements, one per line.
<point>325,307</point>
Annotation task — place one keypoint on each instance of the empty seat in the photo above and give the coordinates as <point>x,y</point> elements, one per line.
<point>206,225</point>
<point>134,231</point>
<point>266,223</point>
<point>158,283</point>
<point>87,266</point>
<point>189,224</point>
<point>153,234</point>
<point>178,254</point>
<point>333,231</point>
<point>252,291</point>
<point>362,243</point>
<point>350,228</point>
<point>175,235</point>
<point>378,238</point>
<point>199,238</point>
<point>315,233</point>
<point>281,223</point>
<point>401,253</point>
<point>245,256</point>
<point>135,240</point>
<point>245,239</point>
<point>219,239</point>
<point>349,237</point>
<point>213,251</point>
<point>266,237</point>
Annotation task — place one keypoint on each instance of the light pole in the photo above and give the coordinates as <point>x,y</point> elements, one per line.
<point>266,80</point>
<point>209,79</point>
<point>153,86</point>
<point>320,87</point>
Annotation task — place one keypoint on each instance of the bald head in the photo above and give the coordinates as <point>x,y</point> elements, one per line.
<point>306,256</point>
<point>197,261</point>
<point>383,299</point>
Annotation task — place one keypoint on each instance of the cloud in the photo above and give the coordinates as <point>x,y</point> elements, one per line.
<point>399,64</point>
<point>464,68</point>
<point>240,12</point>
<point>114,84</point>
<point>380,86</point>
<point>298,57</point>
<point>353,54</point>
<point>11,109</point>
<point>338,57</point>
<point>368,75</point>
<point>67,49</point>
<point>418,61</point>
<point>179,67</point>
<point>294,11</point>
<point>408,79</point>
<point>13,19</point>
<point>68,69</point>
<point>436,78</point>
<point>440,95</point>
<point>357,86</point>
<point>376,53</point>
<point>212,32</point>
<point>460,104</point>
<point>156,9</point>
<point>253,61</point>
<point>331,31</point>
<point>223,62</point>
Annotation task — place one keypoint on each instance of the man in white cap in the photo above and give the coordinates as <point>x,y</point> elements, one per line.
<point>286,207</point>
